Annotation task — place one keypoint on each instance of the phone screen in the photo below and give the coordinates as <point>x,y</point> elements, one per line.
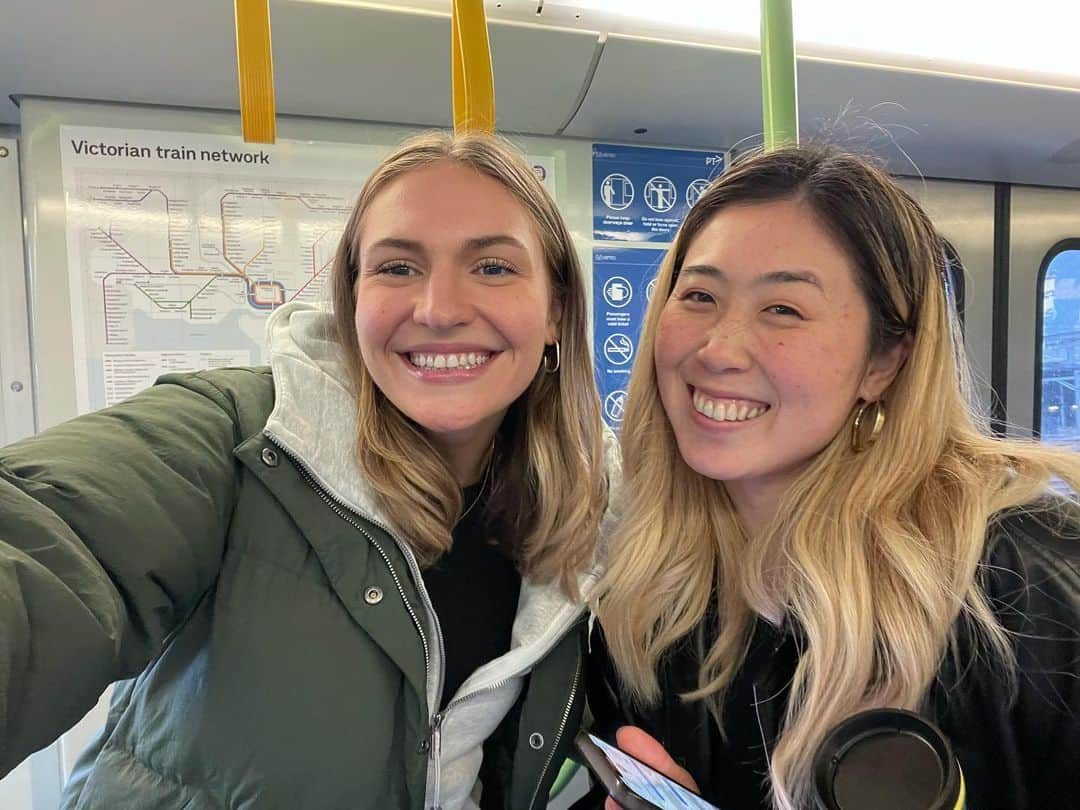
<point>650,785</point>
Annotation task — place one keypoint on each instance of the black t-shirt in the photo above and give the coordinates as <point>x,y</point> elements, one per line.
<point>756,700</point>
<point>474,589</point>
<point>731,769</point>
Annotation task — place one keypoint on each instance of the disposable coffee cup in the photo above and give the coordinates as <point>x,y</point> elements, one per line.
<point>887,759</point>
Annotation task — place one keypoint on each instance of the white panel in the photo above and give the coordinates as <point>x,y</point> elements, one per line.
<point>15,789</point>
<point>964,214</point>
<point>387,65</point>
<point>83,733</point>
<point>329,60</point>
<point>1040,219</point>
<point>347,62</point>
<point>950,127</point>
<point>46,778</point>
<point>539,75</point>
<point>34,785</point>
<point>692,95</point>
<point>130,50</point>
<point>16,386</point>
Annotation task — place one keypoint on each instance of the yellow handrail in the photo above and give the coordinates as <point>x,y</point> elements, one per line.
<point>473,86</point>
<point>255,65</point>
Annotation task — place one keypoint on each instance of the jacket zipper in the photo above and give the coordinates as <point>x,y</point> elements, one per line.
<point>345,513</point>
<point>436,743</point>
<point>562,728</point>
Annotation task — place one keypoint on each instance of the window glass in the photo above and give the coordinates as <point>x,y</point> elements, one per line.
<point>1057,417</point>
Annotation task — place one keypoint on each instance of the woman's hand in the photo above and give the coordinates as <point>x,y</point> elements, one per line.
<point>640,745</point>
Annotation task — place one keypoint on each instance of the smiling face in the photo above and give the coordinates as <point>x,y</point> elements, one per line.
<point>762,349</point>
<point>453,302</point>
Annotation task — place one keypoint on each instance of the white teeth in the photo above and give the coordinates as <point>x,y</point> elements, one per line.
<point>730,412</point>
<point>447,361</point>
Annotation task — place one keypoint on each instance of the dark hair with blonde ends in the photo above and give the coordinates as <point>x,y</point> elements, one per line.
<point>549,488</point>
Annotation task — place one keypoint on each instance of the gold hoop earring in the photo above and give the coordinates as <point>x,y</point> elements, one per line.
<point>551,368</point>
<point>860,440</point>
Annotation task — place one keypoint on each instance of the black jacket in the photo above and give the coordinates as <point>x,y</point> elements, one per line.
<point>1017,753</point>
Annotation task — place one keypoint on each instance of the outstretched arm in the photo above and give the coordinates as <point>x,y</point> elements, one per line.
<point>112,527</point>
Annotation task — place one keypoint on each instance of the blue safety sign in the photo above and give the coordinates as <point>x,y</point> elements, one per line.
<point>642,194</point>
<point>623,283</point>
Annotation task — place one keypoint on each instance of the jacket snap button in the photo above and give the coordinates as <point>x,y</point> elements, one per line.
<point>373,595</point>
<point>424,746</point>
<point>269,457</point>
<point>536,741</point>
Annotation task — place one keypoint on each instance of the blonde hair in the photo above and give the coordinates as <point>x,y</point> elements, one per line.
<point>549,488</point>
<point>874,557</point>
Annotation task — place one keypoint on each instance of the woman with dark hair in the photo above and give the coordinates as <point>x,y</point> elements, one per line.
<point>830,526</point>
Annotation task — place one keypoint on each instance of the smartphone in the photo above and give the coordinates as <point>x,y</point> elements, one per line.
<point>631,782</point>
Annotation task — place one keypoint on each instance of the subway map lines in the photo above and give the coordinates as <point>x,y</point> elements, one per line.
<point>201,255</point>
<point>180,245</point>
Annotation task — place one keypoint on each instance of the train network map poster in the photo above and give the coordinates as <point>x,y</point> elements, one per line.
<point>180,245</point>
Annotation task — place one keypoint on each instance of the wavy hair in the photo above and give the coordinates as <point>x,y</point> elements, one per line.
<point>549,488</point>
<point>873,557</point>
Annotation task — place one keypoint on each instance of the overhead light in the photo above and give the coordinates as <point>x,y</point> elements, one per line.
<point>742,17</point>
<point>1036,42</point>
<point>436,8</point>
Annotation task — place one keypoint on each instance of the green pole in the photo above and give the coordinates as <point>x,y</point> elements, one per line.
<point>779,96</point>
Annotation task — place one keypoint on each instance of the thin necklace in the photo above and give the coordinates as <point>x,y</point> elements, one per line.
<point>483,483</point>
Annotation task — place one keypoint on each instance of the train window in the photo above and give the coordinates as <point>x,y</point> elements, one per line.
<point>1057,362</point>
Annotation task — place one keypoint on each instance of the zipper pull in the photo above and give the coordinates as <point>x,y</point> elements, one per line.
<point>436,735</point>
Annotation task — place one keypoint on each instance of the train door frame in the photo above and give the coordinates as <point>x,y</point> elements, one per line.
<point>1039,220</point>
<point>16,382</point>
<point>40,778</point>
<point>963,212</point>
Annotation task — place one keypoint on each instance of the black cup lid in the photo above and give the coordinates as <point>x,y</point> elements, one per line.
<point>886,759</point>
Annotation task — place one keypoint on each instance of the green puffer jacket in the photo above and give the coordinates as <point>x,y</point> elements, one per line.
<point>279,643</point>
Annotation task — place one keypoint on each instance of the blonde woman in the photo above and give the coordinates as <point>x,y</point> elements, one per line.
<point>351,580</point>
<point>828,527</point>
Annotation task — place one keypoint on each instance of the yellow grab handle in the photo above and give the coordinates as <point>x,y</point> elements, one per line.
<point>473,86</point>
<point>256,67</point>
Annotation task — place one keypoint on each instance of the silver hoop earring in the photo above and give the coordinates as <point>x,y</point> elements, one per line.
<point>551,368</point>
